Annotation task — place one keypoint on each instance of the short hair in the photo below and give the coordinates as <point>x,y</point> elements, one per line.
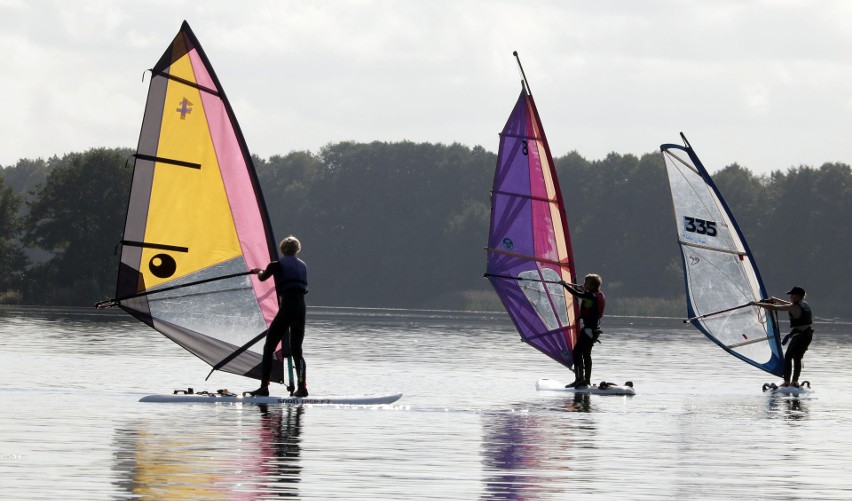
<point>290,246</point>
<point>595,279</point>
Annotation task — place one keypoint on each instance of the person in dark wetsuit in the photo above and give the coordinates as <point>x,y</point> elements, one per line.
<point>801,333</point>
<point>592,304</point>
<point>292,282</point>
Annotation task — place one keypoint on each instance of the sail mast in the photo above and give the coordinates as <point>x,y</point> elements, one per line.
<point>524,83</point>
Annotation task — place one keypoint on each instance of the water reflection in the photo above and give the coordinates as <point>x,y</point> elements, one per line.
<point>531,454</point>
<point>680,438</point>
<point>789,407</point>
<point>280,428</point>
<point>580,403</point>
<point>256,454</point>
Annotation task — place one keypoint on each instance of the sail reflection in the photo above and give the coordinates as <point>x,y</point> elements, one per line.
<point>535,455</point>
<point>229,453</point>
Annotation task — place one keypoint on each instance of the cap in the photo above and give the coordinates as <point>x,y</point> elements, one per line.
<point>797,291</point>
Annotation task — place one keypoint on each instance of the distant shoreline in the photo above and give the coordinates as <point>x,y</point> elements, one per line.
<point>414,315</point>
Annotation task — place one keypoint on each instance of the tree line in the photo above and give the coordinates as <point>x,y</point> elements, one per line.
<point>405,224</point>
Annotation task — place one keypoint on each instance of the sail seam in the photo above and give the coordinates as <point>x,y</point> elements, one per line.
<point>560,330</point>
<point>752,341</point>
<point>707,247</point>
<point>683,162</point>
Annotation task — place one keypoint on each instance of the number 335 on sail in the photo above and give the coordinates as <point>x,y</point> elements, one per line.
<point>700,226</point>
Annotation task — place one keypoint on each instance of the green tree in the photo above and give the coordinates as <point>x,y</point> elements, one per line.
<point>404,224</point>
<point>619,214</point>
<point>287,182</point>
<point>747,196</point>
<point>12,259</point>
<point>27,175</point>
<point>79,214</point>
<point>386,223</point>
<point>807,234</point>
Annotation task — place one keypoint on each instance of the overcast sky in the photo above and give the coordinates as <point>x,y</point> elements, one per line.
<point>767,84</point>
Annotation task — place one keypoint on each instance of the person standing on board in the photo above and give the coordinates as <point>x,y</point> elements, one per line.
<point>801,332</point>
<point>292,281</point>
<point>592,304</point>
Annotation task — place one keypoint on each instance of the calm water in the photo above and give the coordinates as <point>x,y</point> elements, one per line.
<point>470,425</point>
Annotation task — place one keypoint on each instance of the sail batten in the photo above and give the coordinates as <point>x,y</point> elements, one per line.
<point>171,161</point>
<point>185,82</point>
<point>192,234</point>
<point>151,245</point>
<point>529,251</point>
<point>528,258</point>
<point>520,136</point>
<point>720,272</point>
<point>526,196</point>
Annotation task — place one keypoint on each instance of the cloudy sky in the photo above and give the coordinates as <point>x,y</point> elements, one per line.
<point>767,84</point>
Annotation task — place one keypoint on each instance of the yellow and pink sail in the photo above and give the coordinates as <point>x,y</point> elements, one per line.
<point>529,247</point>
<point>196,220</point>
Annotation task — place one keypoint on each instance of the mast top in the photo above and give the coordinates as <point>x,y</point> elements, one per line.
<point>524,82</point>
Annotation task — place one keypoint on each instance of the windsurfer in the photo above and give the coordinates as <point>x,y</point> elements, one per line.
<point>289,323</point>
<point>592,303</point>
<point>801,332</point>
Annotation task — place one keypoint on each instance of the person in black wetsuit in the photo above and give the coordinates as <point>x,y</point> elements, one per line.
<point>292,281</point>
<point>592,304</point>
<point>801,333</point>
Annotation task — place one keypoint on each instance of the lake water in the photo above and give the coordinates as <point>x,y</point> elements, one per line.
<point>469,426</point>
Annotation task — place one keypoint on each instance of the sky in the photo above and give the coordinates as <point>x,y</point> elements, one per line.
<point>766,84</point>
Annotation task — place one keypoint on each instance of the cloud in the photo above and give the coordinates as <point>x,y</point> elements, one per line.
<point>607,76</point>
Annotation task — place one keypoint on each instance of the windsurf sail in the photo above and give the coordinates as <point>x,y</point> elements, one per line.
<point>196,220</point>
<point>720,272</point>
<point>529,248</point>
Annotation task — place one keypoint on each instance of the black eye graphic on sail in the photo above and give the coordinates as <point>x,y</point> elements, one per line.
<point>162,266</point>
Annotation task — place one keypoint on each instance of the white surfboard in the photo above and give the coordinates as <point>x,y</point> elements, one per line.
<point>774,389</point>
<point>553,385</point>
<point>214,398</point>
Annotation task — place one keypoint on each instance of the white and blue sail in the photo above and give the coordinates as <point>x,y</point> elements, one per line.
<point>719,269</point>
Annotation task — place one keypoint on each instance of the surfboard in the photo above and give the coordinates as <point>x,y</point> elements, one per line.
<point>602,389</point>
<point>215,398</point>
<point>774,389</point>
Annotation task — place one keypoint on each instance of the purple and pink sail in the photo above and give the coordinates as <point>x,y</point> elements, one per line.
<point>529,247</point>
